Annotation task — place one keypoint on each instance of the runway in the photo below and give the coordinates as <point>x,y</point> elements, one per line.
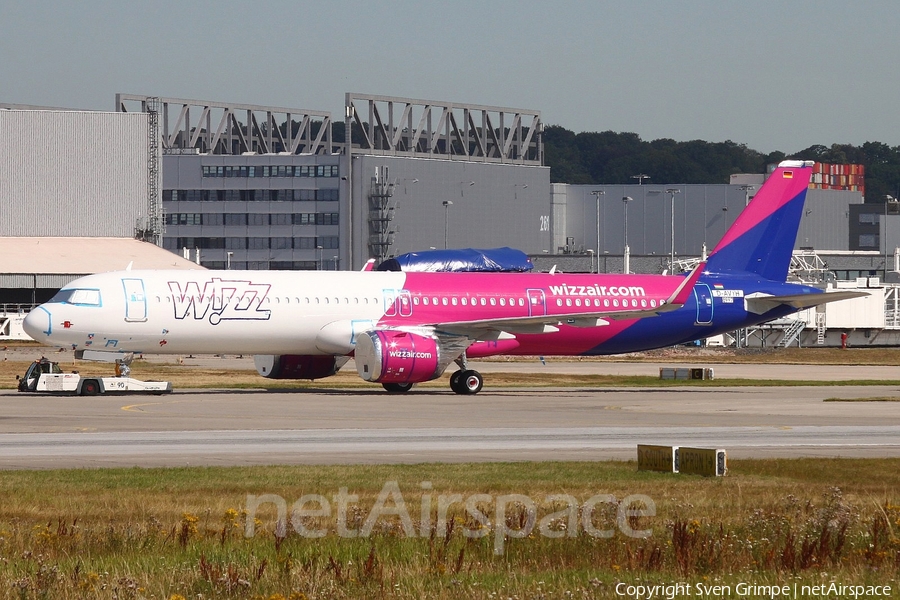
<point>247,427</point>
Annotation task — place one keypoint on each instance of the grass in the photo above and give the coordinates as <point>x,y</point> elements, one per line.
<point>172,533</point>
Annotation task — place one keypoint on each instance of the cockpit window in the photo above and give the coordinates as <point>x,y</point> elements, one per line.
<point>81,297</point>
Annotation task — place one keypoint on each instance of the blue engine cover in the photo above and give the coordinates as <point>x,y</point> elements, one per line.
<point>492,260</point>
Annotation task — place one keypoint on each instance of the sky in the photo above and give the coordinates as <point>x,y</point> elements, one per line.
<point>771,74</point>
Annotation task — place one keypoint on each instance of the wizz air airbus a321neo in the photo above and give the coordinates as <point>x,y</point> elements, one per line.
<point>407,327</point>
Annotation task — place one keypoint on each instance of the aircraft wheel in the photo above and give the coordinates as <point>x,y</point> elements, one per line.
<point>456,382</point>
<point>397,388</point>
<point>471,382</point>
<point>90,388</point>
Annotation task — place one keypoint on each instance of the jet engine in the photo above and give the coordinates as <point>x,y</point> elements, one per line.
<point>294,366</point>
<point>392,356</point>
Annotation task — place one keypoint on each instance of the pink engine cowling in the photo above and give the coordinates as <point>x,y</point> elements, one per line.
<point>389,356</point>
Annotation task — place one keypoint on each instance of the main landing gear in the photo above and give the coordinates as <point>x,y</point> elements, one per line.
<point>466,380</point>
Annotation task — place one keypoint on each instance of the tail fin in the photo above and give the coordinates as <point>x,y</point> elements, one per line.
<point>762,238</point>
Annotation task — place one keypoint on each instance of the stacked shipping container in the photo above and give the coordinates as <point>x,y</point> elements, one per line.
<point>838,177</point>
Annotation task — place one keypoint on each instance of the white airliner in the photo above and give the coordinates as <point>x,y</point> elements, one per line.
<point>408,327</point>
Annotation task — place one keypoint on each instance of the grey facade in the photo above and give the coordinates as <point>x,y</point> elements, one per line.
<point>702,214</point>
<point>272,211</point>
<point>429,174</point>
<point>489,205</point>
<point>72,173</point>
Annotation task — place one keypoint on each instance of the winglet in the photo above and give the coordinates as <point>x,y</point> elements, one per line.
<point>681,294</point>
<point>370,264</point>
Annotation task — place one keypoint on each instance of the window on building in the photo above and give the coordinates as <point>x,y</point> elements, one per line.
<point>326,218</point>
<point>327,195</point>
<point>183,219</point>
<point>868,219</point>
<point>305,243</point>
<point>257,219</point>
<point>869,240</point>
<point>329,242</point>
<point>280,219</point>
<point>236,243</point>
<point>258,243</point>
<point>235,218</point>
<point>213,219</point>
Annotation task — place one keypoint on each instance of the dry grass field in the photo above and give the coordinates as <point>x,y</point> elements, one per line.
<point>182,533</point>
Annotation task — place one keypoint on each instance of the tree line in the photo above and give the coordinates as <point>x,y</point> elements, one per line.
<point>609,157</point>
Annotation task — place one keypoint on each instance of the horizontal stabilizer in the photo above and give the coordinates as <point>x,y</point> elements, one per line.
<point>763,304</point>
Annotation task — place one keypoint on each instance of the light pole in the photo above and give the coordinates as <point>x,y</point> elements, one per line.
<point>672,192</point>
<point>447,204</point>
<point>319,258</point>
<point>228,256</point>
<point>597,194</point>
<point>640,177</point>
<point>591,252</point>
<point>627,254</point>
<point>747,189</point>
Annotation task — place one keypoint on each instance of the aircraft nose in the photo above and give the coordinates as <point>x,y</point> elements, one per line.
<point>37,324</point>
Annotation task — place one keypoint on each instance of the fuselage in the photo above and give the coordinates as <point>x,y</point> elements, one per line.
<point>321,312</point>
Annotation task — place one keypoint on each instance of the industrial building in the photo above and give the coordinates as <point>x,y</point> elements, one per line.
<point>241,189</point>
<point>235,186</point>
<point>77,192</point>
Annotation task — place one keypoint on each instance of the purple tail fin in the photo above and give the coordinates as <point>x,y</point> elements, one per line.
<point>762,238</point>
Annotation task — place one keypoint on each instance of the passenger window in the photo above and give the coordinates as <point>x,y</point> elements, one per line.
<point>453,301</point>
<point>616,303</point>
<point>653,303</point>
<point>425,300</point>
<point>502,301</point>
<point>493,302</point>
<point>444,301</point>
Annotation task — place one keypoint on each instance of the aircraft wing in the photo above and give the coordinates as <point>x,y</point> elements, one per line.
<point>760,304</point>
<point>549,323</point>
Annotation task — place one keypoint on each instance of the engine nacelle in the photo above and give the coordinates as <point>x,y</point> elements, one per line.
<point>390,356</point>
<point>295,366</point>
